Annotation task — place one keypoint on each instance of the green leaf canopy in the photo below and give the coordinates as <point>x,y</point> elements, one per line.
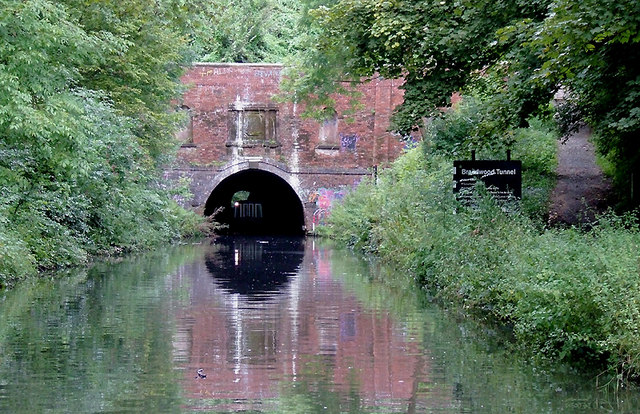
<point>531,50</point>
<point>85,119</point>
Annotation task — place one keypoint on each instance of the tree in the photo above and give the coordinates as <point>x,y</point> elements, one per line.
<point>84,120</point>
<point>435,45</point>
<point>144,51</point>
<point>533,48</point>
<point>247,31</point>
<point>593,51</point>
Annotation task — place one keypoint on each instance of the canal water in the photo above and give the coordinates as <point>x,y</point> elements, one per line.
<point>275,326</point>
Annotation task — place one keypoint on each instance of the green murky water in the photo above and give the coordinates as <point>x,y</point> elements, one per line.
<point>276,326</point>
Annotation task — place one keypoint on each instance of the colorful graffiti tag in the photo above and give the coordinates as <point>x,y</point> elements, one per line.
<point>348,142</point>
<point>324,199</point>
<point>318,218</point>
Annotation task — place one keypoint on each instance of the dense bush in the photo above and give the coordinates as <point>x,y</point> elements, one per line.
<point>96,200</point>
<point>569,294</point>
<point>85,123</point>
<point>470,127</point>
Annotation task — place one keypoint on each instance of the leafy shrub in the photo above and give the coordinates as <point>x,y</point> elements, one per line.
<point>101,198</point>
<point>469,126</point>
<point>570,294</point>
<point>536,147</point>
<point>464,128</point>
<point>15,257</point>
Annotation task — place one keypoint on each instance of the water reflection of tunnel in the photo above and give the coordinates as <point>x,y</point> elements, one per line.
<point>256,202</point>
<point>254,267</point>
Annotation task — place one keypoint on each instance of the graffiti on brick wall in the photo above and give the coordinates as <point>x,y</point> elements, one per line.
<point>267,73</point>
<point>319,217</point>
<point>348,142</point>
<point>324,199</point>
<point>217,71</point>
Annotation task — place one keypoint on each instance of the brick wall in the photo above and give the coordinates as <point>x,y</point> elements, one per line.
<point>218,92</point>
<point>236,123</point>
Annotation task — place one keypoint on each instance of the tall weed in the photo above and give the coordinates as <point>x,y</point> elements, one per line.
<point>570,294</point>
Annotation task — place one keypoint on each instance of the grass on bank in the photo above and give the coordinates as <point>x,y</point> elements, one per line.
<point>570,294</point>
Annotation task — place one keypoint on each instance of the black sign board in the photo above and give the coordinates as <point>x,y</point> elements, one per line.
<point>503,179</point>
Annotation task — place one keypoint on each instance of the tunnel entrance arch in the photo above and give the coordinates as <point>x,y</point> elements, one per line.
<point>255,201</point>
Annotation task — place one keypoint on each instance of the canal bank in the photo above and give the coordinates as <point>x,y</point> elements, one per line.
<point>571,294</point>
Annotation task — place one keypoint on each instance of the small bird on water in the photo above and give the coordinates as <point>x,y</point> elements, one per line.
<point>201,374</point>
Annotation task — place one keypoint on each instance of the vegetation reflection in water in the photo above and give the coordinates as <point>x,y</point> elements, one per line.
<point>319,334</point>
<point>92,341</point>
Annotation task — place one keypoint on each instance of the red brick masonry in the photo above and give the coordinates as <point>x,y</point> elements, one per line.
<point>236,124</point>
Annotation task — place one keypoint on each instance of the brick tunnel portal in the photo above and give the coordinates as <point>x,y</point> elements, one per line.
<point>256,202</point>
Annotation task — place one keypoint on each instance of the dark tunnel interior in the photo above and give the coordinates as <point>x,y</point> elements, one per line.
<point>256,202</point>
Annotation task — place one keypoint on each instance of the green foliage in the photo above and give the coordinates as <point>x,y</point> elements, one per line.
<point>247,31</point>
<point>435,46</point>
<point>593,51</point>
<point>15,259</point>
<point>78,148</point>
<point>536,147</point>
<point>569,294</point>
<point>528,50</point>
<point>470,125</point>
<point>144,47</point>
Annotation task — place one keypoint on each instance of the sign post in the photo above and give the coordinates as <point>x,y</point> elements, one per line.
<point>503,179</point>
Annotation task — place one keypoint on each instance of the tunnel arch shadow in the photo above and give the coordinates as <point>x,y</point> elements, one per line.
<point>269,205</point>
<point>255,267</point>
